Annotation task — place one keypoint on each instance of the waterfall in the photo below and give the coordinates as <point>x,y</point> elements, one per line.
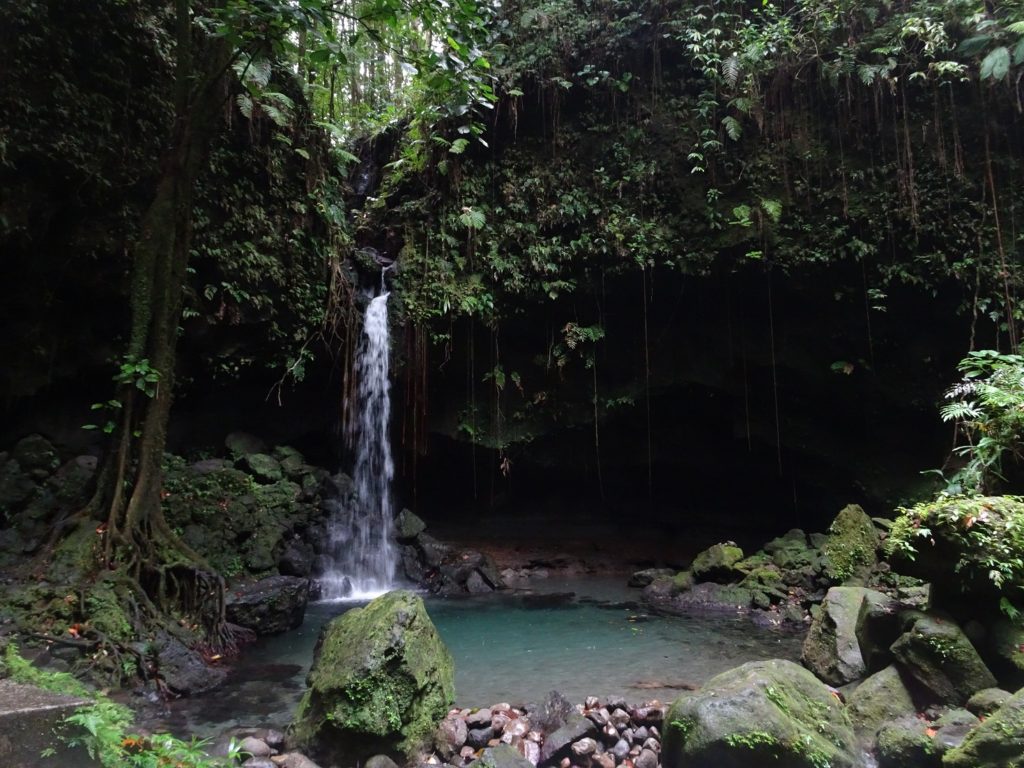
<point>360,533</point>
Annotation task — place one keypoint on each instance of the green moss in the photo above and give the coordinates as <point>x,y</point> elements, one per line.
<point>852,543</point>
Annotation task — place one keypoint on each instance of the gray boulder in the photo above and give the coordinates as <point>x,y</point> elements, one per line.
<point>764,713</point>
<point>408,526</point>
<point>182,669</point>
<point>270,606</point>
<point>558,744</point>
<point>501,756</point>
<point>882,698</point>
<point>831,649</point>
<point>906,744</point>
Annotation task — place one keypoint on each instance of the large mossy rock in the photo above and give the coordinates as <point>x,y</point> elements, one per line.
<point>852,545</point>
<point>270,606</point>
<point>380,684</point>
<point>997,743</point>
<point>718,563</point>
<point>882,698</point>
<point>831,649</point>
<point>764,713</point>
<point>937,653</point>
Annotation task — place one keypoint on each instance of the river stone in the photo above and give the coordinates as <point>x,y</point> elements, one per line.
<point>906,744</point>
<point>852,545</point>
<point>242,443</point>
<point>766,713</point>
<point>259,762</point>
<point>270,606</point>
<point>294,760</point>
<point>450,737</point>
<point>478,737</point>
<point>987,701</point>
<point>476,585</point>
<point>937,654</point>
<point>255,747</point>
<point>718,563</point>
<point>558,744</point>
<point>380,761</point>
<point>381,683</point>
<point>880,699</point>
<point>831,649</point>
<point>501,756</point>
<point>952,728</point>
<point>997,743</point>
<point>646,759</point>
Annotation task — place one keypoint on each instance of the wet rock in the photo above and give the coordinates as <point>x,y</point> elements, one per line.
<point>906,744</point>
<point>987,701</point>
<point>451,736</point>
<point>646,759</point>
<point>408,526</point>
<point>760,712</point>
<point>1006,646</point>
<point>182,669</point>
<point>643,578</point>
<point>501,756</point>
<point>380,761</point>
<point>255,747</point>
<point>880,699</point>
<point>878,627</point>
<point>296,559</point>
<point>479,718</point>
<point>604,760</point>
<point>831,650</point>
<point>996,743</point>
<point>242,444</point>
<point>557,745</point>
<point>620,750</point>
<point>259,762</point>
<point>478,737</point>
<point>270,606</point>
<point>936,653</point>
<point>476,585</point>
<point>16,486</point>
<point>952,728</point>
<point>381,683</point>
<point>584,747</point>
<point>718,563</point>
<point>293,760</point>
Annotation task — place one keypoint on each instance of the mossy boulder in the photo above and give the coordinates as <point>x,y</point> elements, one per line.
<point>764,713</point>
<point>1006,649</point>
<point>997,743</point>
<point>791,550</point>
<point>408,526</point>
<point>380,684</point>
<point>906,743</point>
<point>852,545</point>
<point>880,699</point>
<point>36,454</point>
<point>937,653</point>
<point>878,627</point>
<point>987,701</point>
<point>831,649</point>
<point>242,443</point>
<point>718,563</point>
<point>265,468</point>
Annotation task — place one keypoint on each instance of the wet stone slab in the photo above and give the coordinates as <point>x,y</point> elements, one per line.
<point>31,723</point>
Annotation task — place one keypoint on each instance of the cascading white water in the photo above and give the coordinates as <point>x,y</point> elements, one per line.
<point>361,533</point>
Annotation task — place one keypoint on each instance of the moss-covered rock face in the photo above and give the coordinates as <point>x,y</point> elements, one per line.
<point>997,743</point>
<point>906,744</point>
<point>938,655</point>
<point>765,713</point>
<point>851,548</point>
<point>381,683</point>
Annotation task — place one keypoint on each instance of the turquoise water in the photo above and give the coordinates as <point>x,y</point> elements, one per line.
<point>581,637</point>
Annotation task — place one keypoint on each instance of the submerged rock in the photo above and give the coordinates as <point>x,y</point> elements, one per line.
<point>381,683</point>
<point>762,713</point>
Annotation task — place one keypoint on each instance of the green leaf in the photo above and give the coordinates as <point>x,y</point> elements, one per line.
<point>732,127</point>
<point>996,65</point>
<point>458,146</point>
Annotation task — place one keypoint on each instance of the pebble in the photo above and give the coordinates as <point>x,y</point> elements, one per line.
<point>604,760</point>
<point>499,720</point>
<point>293,760</point>
<point>478,737</point>
<point>584,747</point>
<point>610,734</point>
<point>255,747</point>
<point>479,718</point>
<point>531,751</point>
<point>619,718</point>
<point>592,702</point>
<point>598,717</point>
<point>259,762</point>
<point>652,744</point>
<point>566,763</point>
<point>639,735</point>
<point>616,702</point>
<point>467,752</point>
<point>517,727</point>
<point>620,750</point>
<point>646,759</point>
